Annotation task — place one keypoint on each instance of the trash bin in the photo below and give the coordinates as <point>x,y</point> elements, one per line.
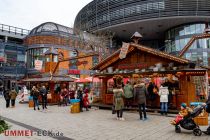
<point>201,119</point>
<point>30,102</point>
<point>75,105</point>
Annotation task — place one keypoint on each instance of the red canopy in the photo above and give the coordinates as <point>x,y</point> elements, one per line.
<point>93,79</point>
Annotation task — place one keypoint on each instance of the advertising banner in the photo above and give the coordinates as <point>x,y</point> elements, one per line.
<point>38,64</point>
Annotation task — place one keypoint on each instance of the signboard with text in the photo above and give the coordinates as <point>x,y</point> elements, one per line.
<point>124,50</point>
<point>38,64</point>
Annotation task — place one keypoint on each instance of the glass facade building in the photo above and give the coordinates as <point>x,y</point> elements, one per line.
<point>166,25</point>
<point>177,38</point>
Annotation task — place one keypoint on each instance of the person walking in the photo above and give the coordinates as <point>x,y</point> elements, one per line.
<point>13,95</point>
<point>1,89</point>
<point>80,96</point>
<point>86,102</point>
<point>43,92</point>
<point>7,97</point>
<point>163,93</point>
<point>35,95</point>
<point>207,132</point>
<point>118,101</point>
<point>140,96</point>
<point>128,91</point>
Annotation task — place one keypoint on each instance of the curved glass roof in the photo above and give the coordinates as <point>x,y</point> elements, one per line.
<point>52,29</point>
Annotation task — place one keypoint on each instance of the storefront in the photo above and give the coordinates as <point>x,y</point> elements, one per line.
<point>156,66</point>
<point>53,84</point>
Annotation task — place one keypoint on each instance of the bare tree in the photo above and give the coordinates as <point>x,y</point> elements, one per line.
<point>96,42</point>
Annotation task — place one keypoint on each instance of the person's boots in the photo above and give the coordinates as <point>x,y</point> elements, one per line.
<point>161,112</point>
<point>38,108</point>
<point>166,113</point>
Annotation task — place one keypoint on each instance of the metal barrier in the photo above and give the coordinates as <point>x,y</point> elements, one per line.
<point>12,29</point>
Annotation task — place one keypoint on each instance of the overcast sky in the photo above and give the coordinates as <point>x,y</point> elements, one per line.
<point>28,14</point>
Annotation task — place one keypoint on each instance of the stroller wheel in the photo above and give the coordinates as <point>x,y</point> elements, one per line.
<point>197,132</point>
<point>177,129</point>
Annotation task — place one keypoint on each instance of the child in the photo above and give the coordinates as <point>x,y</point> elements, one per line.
<point>184,112</point>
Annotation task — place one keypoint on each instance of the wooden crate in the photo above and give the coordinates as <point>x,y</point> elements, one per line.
<point>202,120</point>
<point>31,103</point>
<point>75,108</point>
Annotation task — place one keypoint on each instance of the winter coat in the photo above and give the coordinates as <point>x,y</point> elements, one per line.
<point>13,94</point>
<point>80,95</point>
<point>71,94</point>
<point>150,89</point>
<point>163,93</point>
<point>43,92</point>
<point>140,93</point>
<point>86,100</point>
<point>35,94</point>
<point>6,95</point>
<point>208,104</point>
<point>128,91</point>
<point>118,99</point>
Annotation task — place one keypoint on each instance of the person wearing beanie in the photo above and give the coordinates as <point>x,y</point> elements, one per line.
<point>183,113</point>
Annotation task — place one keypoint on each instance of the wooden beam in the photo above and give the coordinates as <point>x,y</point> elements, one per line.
<point>73,58</point>
<point>192,40</point>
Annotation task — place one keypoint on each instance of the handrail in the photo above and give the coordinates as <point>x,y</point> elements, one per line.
<point>13,29</point>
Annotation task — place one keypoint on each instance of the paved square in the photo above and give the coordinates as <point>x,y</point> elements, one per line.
<point>91,125</point>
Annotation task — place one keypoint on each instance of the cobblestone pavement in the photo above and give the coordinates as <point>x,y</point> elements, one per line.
<point>92,125</point>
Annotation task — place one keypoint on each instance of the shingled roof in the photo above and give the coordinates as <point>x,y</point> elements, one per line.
<point>106,62</point>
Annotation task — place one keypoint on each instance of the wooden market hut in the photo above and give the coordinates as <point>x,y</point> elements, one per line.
<point>50,82</point>
<point>138,60</point>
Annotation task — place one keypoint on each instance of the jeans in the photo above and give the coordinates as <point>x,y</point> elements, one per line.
<point>36,103</point>
<point>164,107</point>
<point>142,108</point>
<point>119,113</point>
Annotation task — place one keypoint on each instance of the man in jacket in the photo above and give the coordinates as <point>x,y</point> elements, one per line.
<point>128,93</point>
<point>43,92</point>
<point>140,95</point>
<point>207,132</point>
<point>13,95</point>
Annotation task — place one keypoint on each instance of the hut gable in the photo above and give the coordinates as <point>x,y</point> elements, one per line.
<point>139,57</point>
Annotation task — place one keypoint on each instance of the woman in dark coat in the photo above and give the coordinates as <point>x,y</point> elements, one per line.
<point>140,96</point>
<point>7,97</point>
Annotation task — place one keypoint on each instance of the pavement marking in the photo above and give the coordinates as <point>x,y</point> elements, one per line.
<point>34,128</point>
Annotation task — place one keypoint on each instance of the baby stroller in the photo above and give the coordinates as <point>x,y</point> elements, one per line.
<point>188,122</point>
